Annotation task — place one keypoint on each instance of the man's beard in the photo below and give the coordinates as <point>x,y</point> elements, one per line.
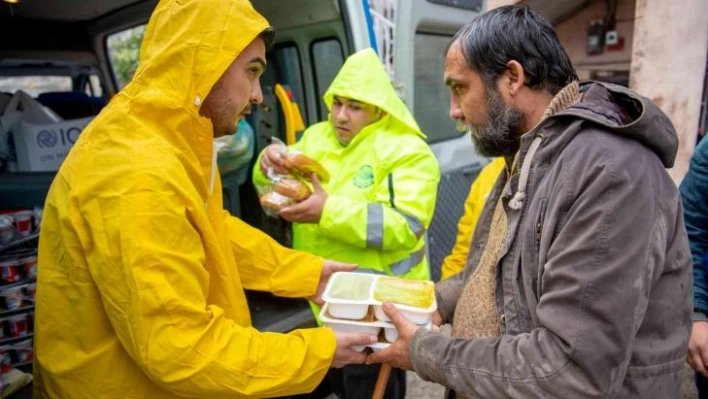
<point>501,134</point>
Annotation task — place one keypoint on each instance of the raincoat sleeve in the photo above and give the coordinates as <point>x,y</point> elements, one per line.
<point>456,261</point>
<point>584,338</point>
<point>400,213</point>
<point>150,267</point>
<point>694,193</point>
<point>265,265</point>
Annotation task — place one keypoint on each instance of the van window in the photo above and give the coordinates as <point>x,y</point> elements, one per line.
<point>327,59</point>
<point>432,99</point>
<point>34,85</point>
<point>123,52</point>
<point>94,87</point>
<point>289,73</point>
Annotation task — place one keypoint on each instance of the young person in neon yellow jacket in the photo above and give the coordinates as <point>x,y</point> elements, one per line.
<point>379,201</point>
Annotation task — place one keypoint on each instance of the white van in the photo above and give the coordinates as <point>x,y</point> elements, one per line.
<point>73,55</point>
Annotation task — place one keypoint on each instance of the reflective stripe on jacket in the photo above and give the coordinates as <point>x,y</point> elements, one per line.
<point>140,289</point>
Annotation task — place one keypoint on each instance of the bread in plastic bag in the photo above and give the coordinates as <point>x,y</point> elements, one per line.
<point>300,164</point>
<point>292,188</point>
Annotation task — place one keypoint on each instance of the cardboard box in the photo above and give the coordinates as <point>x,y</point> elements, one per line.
<point>42,148</point>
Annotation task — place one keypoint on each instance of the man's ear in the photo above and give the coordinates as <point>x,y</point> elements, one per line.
<point>514,78</point>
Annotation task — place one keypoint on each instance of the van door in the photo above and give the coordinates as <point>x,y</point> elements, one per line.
<point>422,33</point>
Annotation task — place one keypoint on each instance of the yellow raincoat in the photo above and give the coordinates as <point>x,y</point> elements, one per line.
<point>482,186</point>
<point>142,272</point>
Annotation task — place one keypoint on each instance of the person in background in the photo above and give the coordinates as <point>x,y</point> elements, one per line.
<point>694,192</point>
<point>141,285</point>
<point>480,189</point>
<point>380,198</point>
<point>582,283</point>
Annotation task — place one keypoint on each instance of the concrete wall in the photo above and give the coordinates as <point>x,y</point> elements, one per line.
<point>573,34</point>
<point>668,65</point>
<point>492,4</point>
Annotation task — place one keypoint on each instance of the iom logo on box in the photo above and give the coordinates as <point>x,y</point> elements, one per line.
<point>45,138</point>
<point>50,138</point>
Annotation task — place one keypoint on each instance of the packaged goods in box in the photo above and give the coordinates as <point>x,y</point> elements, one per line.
<point>43,147</point>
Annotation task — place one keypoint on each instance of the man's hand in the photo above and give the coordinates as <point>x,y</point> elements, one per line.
<point>329,268</point>
<point>437,320</point>
<point>271,159</point>
<point>698,347</point>
<point>345,353</point>
<point>309,210</point>
<point>397,354</point>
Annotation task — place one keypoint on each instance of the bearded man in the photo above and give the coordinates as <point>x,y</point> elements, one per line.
<point>578,279</point>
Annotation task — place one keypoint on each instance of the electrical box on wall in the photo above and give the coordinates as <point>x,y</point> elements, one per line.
<point>611,38</point>
<point>596,37</point>
<point>613,41</point>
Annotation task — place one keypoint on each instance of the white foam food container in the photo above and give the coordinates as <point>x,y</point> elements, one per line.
<point>373,327</point>
<point>350,294</point>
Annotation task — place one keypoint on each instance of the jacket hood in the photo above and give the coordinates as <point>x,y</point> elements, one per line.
<point>364,78</point>
<point>628,114</point>
<point>187,47</point>
<point>185,50</point>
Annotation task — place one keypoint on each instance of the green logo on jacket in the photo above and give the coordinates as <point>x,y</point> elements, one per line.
<point>364,177</point>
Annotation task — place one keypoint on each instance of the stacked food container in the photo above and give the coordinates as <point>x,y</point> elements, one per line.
<point>354,303</point>
<point>19,230</point>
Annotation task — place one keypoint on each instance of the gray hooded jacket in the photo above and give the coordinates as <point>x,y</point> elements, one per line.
<point>594,281</point>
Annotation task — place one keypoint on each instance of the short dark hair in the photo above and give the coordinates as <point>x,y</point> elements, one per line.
<point>268,36</point>
<point>517,33</point>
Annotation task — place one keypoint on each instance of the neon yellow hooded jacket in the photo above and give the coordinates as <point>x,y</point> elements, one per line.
<point>140,289</point>
<point>383,184</point>
<point>482,186</point>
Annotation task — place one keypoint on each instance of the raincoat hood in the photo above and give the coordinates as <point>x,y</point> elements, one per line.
<point>363,78</point>
<point>185,50</point>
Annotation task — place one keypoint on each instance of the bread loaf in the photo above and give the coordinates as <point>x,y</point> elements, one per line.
<point>292,188</point>
<point>304,166</point>
<point>275,201</point>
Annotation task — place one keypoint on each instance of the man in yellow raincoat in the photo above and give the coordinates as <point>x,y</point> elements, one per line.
<point>379,201</point>
<point>142,271</point>
<point>482,186</point>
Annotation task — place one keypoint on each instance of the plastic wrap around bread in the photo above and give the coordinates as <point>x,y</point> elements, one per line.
<point>292,188</point>
<point>275,201</point>
<point>301,165</point>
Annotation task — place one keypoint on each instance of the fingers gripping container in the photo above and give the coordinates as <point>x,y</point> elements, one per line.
<point>354,303</point>
<point>385,330</point>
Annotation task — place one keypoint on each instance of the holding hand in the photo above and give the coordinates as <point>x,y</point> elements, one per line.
<point>329,268</point>
<point>698,348</point>
<point>397,354</point>
<point>271,159</point>
<point>345,354</point>
<point>309,210</point>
